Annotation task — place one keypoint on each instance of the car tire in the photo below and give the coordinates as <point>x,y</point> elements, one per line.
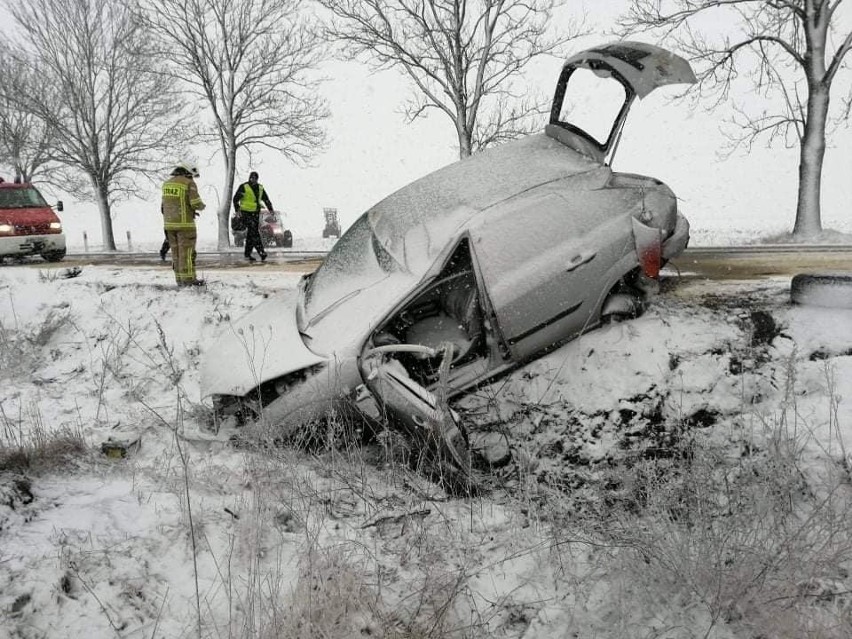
<point>621,306</point>
<point>239,241</point>
<point>831,290</point>
<point>287,242</point>
<point>54,256</point>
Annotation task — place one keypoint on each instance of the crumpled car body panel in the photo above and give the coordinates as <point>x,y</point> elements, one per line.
<point>466,273</point>
<point>264,344</point>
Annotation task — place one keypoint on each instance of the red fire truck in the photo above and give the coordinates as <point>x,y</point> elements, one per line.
<point>28,224</point>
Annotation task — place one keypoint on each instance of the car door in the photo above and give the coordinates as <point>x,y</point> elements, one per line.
<point>544,262</point>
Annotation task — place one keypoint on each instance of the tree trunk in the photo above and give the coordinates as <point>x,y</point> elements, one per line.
<point>811,156</point>
<point>100,190</point>
<point>224,212</point>
<point>463,132</point>
<point>464,144</point>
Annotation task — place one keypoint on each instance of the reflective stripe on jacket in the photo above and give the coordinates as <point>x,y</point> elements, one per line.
<point>180,202</point>
<point>250,201</point>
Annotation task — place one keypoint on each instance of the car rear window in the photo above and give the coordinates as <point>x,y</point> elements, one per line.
<point>592,103</point>
<point>21,198</point>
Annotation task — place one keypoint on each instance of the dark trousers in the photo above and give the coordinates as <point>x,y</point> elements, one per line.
<point>253,233</point>
<point>165,247</point>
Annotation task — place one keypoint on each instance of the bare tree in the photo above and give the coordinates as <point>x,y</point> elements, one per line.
<point>789,50</point>
<point>251,62</point>
<point>25,142</point>
<point>464,57</point>
<point>109,113</point>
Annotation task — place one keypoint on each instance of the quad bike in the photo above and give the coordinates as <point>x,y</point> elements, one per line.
<point>272,231</point>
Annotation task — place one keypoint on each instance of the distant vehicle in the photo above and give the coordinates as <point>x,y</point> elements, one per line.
<point>466,273</point>
<point>272,231</point>
<point>28,224</point>
<point>332,226</point>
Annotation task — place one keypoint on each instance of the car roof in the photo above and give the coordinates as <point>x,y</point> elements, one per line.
<point>415,223</point>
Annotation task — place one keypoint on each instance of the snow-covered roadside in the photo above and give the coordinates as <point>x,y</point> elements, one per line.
<point>347,542</point>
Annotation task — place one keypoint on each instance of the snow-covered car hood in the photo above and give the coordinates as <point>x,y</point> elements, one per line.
<point>261,345</point>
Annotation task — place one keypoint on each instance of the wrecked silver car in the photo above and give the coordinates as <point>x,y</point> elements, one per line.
<point>466,273</point>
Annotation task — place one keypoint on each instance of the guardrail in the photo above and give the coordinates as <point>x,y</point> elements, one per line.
<point>770,248</point>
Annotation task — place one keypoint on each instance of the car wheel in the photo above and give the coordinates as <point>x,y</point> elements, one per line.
<point>833,290</point>
<point>620,307</point>
<point>288,240</point>
<point>239,241</point>
<point>279,241</point>
<point>54,256</point>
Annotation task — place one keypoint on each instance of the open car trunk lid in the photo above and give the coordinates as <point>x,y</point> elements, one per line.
<point>642,66</point>
<point>637,67</point>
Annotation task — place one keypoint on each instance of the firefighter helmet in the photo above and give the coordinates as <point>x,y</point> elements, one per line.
<point>186,168</point>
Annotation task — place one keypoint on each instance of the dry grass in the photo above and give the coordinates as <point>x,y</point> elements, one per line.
<point>358,571</point>
<point>749,540</point>
<point>734,542</point>
<point>26,444</point>
<point>339,539</point>
<point>330,599</point>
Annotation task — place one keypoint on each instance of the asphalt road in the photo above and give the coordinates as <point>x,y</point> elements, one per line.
<point>715,263</point>
<point>755,262</point>
<point>279,259</point>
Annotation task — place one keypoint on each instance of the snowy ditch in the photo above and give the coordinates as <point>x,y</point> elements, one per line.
<point>599,448</point>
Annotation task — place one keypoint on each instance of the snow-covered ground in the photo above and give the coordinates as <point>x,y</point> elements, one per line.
<point>684,474</point>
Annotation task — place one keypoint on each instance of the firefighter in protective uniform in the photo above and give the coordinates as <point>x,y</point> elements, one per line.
<point>181,203</point>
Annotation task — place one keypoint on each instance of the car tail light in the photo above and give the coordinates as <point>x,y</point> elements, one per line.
<point>649,248</point>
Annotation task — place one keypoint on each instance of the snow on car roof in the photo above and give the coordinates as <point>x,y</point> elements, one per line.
<point>416,222</point>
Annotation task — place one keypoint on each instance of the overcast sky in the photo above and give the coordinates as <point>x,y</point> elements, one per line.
<point>373,152</point>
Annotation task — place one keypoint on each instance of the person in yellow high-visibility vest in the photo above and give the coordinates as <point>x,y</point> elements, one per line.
<point>247,201</point>
<point>180,206</point>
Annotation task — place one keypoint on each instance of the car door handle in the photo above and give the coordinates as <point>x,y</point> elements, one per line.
<point>580,259</point>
